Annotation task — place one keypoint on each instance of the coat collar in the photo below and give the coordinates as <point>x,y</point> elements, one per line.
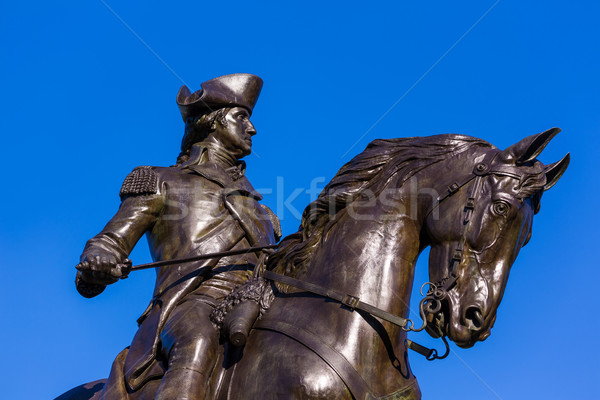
<point>215,172</point>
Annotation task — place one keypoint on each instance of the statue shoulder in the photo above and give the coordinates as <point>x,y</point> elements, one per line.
<point>142,180</point>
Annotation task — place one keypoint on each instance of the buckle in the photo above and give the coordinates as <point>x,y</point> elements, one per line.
<point>453,188</point>
<point>449,284</point>
<point>457,256</point>
<point>350,301</point>
<point>470,203</point>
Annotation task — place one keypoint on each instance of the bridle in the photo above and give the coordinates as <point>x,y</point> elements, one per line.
<point>437,292</point>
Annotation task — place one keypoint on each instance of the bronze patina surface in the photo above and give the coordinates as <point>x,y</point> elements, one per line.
<point>470,202</point>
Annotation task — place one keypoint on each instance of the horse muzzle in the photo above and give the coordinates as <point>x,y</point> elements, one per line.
<point>468,325</point>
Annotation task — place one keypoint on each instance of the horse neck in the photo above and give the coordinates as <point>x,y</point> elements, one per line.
<point>371,255</point>
<point>370,252</point>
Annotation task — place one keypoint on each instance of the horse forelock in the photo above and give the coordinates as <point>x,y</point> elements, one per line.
<point>372,169</point>
<point>531,184</point>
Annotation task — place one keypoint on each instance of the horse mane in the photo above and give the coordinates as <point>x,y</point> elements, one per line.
<point>372,169</point>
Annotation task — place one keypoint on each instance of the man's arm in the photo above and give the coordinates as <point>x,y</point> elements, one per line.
<point>104,258</point>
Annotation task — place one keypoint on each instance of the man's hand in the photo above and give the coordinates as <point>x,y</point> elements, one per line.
<point>103,269</point>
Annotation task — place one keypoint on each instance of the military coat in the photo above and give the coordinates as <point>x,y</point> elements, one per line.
<point>184,211</point>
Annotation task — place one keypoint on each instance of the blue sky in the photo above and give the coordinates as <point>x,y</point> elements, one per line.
<point>88,93</point>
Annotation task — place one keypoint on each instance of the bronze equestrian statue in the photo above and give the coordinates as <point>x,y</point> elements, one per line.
<point>203,204</point>
<point>338,290</point>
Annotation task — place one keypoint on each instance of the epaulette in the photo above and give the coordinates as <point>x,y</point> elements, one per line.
<point>142,180</point>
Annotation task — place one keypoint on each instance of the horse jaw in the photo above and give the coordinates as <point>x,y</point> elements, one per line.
<point>468,311</point>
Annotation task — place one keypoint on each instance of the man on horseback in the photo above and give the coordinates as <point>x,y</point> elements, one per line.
<point>203,204</point>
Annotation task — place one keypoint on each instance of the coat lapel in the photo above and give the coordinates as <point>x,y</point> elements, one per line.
<point>214,173</point>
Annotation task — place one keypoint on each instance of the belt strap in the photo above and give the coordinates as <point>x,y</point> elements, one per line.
<point>351,378</point>
<point>348,300</point>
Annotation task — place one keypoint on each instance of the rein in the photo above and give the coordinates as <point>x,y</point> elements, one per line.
<point>354,303</point>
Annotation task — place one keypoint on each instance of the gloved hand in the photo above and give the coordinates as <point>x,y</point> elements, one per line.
<point>103,268</point>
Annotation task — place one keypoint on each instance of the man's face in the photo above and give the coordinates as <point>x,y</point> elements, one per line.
<point>236,134</point>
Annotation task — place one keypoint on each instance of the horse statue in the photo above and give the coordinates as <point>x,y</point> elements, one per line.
<point>342,284</point>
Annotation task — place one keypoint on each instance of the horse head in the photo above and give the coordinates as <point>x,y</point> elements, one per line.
<point>476,227</point>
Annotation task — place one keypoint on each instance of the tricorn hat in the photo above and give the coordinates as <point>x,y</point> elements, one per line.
<point>235,90</point>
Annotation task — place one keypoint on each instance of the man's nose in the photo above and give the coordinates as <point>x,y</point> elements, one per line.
<point>251,130</point>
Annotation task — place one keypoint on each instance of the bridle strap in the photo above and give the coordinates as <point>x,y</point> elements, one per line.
<point>483,168</point>
<point>458,252</point>
<point>356,384</point>
<point>352,302</point>
<point>480,170</point>
<point>438,291</point>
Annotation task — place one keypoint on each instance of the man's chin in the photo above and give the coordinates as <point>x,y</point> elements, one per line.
<point>245,152</point>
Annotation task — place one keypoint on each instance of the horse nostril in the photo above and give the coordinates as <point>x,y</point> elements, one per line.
<point>474,318</point>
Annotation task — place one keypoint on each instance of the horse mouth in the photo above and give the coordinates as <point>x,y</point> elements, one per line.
<point>437,325</point>
<point>470,329</point>
<point>464,333</point>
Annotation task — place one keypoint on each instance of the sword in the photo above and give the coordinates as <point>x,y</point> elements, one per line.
<point>165,263</point>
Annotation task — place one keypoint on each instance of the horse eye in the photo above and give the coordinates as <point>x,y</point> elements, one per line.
<point>501,207</point>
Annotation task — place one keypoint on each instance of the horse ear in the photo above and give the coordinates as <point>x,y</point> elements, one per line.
<point>529,148</point>
<point>555,171</point>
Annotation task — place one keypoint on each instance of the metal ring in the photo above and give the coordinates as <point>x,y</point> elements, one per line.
<point>439,293</point>
<point>433,305</point>
<point>431,285</point>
